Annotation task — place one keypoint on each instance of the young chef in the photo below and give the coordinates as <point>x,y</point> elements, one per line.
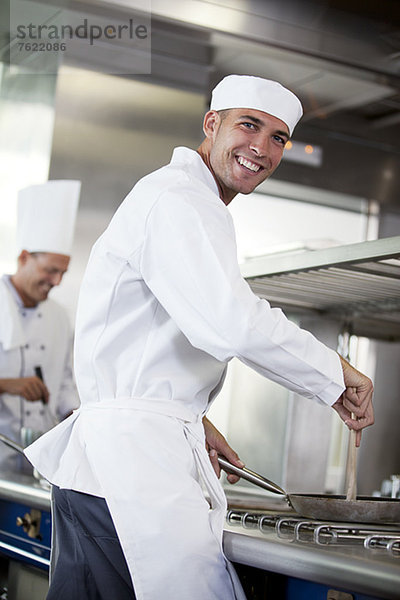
<point>162,310</point>
<point>35,334</point>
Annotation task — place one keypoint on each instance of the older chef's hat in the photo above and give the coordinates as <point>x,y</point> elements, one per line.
<point>46,216</point>
<point>245,91</point>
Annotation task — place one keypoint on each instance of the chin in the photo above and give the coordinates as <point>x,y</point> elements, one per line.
<point>247,189</point>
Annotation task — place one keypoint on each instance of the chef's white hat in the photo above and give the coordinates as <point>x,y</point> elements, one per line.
<point>46,216</point>
<point>245,91</point>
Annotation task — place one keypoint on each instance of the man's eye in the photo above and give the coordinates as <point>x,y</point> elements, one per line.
<point>279,139</point>
<point>249,125</point>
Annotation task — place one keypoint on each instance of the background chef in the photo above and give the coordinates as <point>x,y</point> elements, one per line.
<point>35,334</point>
<point>163,308</point>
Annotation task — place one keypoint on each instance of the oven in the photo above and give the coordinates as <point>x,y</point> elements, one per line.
<point>25,537</point>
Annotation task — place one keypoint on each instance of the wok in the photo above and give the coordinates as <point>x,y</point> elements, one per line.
<point>326,507</point>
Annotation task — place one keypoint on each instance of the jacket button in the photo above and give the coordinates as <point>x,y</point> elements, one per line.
<point>26,346</point>
<point>43,347</point>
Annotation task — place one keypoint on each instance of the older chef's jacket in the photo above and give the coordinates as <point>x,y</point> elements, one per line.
<point>163,308</point>
<point>31,337</point>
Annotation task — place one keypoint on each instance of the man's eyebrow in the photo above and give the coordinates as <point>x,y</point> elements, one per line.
<point>258,121</point>
<point>254,119</point>
<point>283,133</point>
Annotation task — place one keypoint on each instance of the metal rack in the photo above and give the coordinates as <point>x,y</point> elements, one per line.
<point>357,284</point>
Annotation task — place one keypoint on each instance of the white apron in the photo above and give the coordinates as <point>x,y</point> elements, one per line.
<point>172,540</point>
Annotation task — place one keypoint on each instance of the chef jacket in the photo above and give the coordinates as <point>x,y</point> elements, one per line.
<point>163,308</point>
<point>31,337</point>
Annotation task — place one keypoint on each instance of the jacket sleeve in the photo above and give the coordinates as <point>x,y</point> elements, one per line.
<point>189,262</point>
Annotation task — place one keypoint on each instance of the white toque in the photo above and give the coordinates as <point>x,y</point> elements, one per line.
<point>46,216</point>
<point>245,91</point>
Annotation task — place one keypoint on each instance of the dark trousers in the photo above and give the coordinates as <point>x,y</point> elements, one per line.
<point>90,564</point>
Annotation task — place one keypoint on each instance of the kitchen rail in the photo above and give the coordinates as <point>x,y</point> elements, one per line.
<point>358,284</point>
<point>356,569</point>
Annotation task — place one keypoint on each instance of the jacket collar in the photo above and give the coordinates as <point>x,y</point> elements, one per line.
<point>195,164</point>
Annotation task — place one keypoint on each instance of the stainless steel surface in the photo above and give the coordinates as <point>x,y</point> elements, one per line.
<point>251,476</point>
<point>25,490</point>
<point>330,554</point>
<point>342,62</point>
<point>356,283</point>
<point>11,443</point>
<point>395,479</point>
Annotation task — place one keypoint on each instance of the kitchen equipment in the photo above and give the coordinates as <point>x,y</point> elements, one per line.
<point>251,476</point>
<point>309,558</point>
<point>321,533</point>
<point>52,420</point>
<point>364,509</point>
<point>11,443</point>
<point>20,449</point>
<point>39,374</point>
<point>25,536</point>
<point>351,493</point>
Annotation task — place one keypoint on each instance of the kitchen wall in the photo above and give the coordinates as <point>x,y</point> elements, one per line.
<point>109,132</point>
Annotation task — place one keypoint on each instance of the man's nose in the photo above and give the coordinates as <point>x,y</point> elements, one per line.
<point>56,278</point>
<point>259,145</point>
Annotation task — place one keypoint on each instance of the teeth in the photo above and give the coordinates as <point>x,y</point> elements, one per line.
<point>248,164</point>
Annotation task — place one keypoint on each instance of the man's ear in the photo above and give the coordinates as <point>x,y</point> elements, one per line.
<point>211,123</point>
<point>23,257</point>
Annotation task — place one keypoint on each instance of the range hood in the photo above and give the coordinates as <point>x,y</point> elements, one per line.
<point>356,284</point>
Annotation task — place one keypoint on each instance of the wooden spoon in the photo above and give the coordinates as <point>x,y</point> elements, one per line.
<point>351,469</point>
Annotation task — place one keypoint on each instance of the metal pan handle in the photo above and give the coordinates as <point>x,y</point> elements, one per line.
<point>251,476</point>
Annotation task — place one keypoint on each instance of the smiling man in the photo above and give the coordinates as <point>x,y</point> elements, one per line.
<point>163,309</point>
<point>242,148</point>
<point>36,383</point>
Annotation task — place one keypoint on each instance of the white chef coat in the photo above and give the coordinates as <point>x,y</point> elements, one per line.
<point>162,309</point>
<point>31,337</point>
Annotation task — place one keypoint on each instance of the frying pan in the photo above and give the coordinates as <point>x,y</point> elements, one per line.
<point>326,507</point>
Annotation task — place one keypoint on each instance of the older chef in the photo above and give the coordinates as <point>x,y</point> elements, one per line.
<point>36,384</point>
<point>163,308</point>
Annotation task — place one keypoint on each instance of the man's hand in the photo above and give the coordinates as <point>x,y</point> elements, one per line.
<point>217,444</point>
<point>30,388</point>
<point>356,399</point>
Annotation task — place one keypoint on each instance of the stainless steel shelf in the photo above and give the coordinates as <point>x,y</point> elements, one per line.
<point>358,284</point>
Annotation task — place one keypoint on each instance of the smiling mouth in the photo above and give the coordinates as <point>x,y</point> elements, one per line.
<point>244,162</point>
<point>45,288</point>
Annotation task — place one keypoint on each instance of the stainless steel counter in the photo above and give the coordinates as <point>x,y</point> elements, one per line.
<point>25,490</point>
<point>356,569</point>
<point>375,573</point>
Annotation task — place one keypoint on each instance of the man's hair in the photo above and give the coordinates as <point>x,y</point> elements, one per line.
<point>223,113</point>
